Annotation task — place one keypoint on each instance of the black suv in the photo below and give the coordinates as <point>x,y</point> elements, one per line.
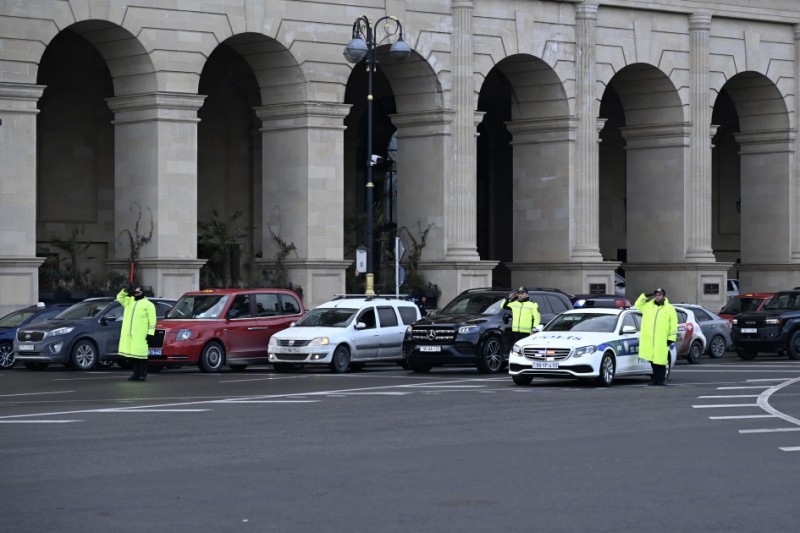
<point>473,329</point>
<point>776,328</point>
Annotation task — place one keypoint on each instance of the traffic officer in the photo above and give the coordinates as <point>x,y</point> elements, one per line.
<point>138,328</point>
<point>659,330</point>
<point>524,314</point>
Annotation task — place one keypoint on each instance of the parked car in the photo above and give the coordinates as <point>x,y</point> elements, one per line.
<point>619,285</point>
<point>81,335</point>
<point>597,344</point>
<point>733,288</point>
<point>600,300</point>
<point>345,333</point>
<point>775,329</point>
<point>217,327</point>
<point>745,303</point>
<point>10,323</point>
<point>690,341</point>
<point>715,328</point>
<point>474,330</point>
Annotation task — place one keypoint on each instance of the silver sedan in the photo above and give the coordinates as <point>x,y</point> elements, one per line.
<point>715,328</point>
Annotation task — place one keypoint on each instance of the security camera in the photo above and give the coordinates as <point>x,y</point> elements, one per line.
<point>375,160</point>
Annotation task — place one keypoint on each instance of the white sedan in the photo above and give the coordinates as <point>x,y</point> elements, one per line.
<point>597,343</point>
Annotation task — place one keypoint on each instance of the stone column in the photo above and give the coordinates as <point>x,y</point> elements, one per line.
<point>303,194</point>
<point>155,136</point>
<point>19,275</point>
<point>796,170</point>
<point>698,179</point>
<point>461,183</point>
<point>585,208</point>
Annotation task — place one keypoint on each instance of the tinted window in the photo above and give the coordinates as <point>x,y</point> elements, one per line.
<point>199,306</point>
<point>408,315</point>
<point>241,304</point>
<point>162,308</point>
<point>367,317</point>
<point>267,305</point>
<point>115,312</point>
<point>628,321</point>
<point>290,306</point>
<point>47,315</point>
<point>701,315</point>
<point>556,304</point>
<point>473,303</point>
<point>85,309</point>
<point>16,318</point>
<point>540,299</point>
<point>682,317</point>
<point>387,317</point>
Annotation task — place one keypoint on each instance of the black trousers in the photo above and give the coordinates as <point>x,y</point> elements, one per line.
<point>139,369</point>
<point>659,374</point>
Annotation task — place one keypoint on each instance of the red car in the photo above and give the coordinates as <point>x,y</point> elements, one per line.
<point>745,303</point>
<point>216,327</point>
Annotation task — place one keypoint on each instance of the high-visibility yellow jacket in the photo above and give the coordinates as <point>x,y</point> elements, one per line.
<point>138,321</point>
<point>524,315</point>
<point>659,325</point>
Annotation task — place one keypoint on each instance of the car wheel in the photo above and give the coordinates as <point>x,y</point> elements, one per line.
<point>6,355</point>
<point>522,379</point>
<point>695,353</point>
<point>794,346</point>
<point>606,376</point>
<point>747,355</point>
<point>84,355</point>
<point>212,358</point>
<point>491,359</point>
<point>716,348</point>
<point>35,366</point>
<point>238,368</point>
<point>418,367</point>
<point>340,363</point>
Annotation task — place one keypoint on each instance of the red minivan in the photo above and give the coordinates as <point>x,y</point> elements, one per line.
<point>745,303</point>
<point>216,327</point>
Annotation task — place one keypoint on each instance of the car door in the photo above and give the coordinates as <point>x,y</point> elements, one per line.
<point>271,311</point>
<point>366,340</point>
<point>628,353</point>
<point>243,330</point>
<point>391,332</point>
<point>544,307</point>
<point>706,322</point>
<point>107,329</point>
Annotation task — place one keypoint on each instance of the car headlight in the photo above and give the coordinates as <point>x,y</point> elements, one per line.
<point>735,321</point>
<point>319,341</point>
<point>273,341</point>
<point>184,334</point>
<point>59,331</point>
<point>773,321</point>
<point>517,349</point>
<point>467,330</point>
<point>585,350</point>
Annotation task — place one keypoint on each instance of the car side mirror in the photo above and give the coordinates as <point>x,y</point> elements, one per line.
<point>361,325</point>
<point>233,313</point>
<point>628,330</point>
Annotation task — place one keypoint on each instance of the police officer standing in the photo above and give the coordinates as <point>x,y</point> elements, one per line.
<point>659,330</point>
<point>524,314</point>
<point>138,327</point>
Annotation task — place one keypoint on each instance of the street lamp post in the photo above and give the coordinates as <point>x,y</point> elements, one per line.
<point>364,45</point>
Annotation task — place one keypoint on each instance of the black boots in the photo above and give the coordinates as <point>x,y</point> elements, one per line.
<point>139,370</point>
<point>659,376</point>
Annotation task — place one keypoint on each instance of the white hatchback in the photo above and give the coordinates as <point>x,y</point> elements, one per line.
<point>345,333</point>
<point>595,343</point>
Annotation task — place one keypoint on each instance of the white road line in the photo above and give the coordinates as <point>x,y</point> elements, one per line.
<point>763,402</point>
<point>267,401</point>
<point>790,449</point>
<point>730,396</point>
<point>743,387</point>
<point>121,378</point>
<point>37,393</point>
<point>765,430</point>
<point>733,417</point>
<point>725,405</point>
<point>146,410</point>
<point>765,379</point>
<point>424,385</point>
<point>38,421</point>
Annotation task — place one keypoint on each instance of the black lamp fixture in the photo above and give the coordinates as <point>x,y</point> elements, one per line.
<point>364,45</point>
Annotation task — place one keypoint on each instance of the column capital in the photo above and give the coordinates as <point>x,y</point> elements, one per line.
<point>20,97</point>
<point>542,130</point>
<point>765,142</point>
<point>148,107</point>
<point>657,136</point>
<point>462,4</point>
<point>423,124</point>
<point>587,10</point>
<point>300,115</point>
<point>700,21</point>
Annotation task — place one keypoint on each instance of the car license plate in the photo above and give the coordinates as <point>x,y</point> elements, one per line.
<point>545,364</point>
<point>749,330</point>
<point>154,351</point>
<point>26,347</point>
<point>285,349</point>
<point>430,348</point>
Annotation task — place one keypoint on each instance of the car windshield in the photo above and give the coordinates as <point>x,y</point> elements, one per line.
<point>197,306</point>
<point>327,317</point>
<point>741,305</point>
<point>473,304</point>
<point>784,300</point>
<point>583,322</point>
<point>86,309</point>
<point>13,320</point>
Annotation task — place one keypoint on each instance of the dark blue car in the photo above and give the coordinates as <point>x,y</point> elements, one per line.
<point>10,323</point>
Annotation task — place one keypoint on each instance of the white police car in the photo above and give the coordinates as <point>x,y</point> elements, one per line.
<point>345,333</point>
<point>596,343</point>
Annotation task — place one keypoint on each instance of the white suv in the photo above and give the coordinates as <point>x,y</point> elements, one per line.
<point>345,333</point>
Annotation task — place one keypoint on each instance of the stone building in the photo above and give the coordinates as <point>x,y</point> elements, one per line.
<point>544,142</point>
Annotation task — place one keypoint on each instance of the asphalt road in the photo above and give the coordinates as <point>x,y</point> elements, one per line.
<point>387,450</point>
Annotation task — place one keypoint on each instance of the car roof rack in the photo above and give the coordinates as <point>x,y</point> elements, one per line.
<point>371,297</point>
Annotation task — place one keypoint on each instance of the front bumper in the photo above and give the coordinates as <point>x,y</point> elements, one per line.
<point>304,354</point>
<point>767,339</point>
<point>49,350</point>
<point>582,367</point>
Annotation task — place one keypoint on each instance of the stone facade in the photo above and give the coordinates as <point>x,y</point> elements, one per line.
<point>545,143</point>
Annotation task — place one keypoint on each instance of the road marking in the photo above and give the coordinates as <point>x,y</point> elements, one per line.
<point>790,449</point>
<point>94,377</point>
<point>732,417</point>
<point>726,405</point>
<point>731,396</point>
<point>267,401</point>
<point>765,430</point>
<point>37,421</point>
<point>37,393</point>
<point>743,387</point>
<point>146,410</point>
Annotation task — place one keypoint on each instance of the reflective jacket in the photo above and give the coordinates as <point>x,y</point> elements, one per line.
<point>138,321</point>
<point>659,325</point>
<point>524,315</point>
